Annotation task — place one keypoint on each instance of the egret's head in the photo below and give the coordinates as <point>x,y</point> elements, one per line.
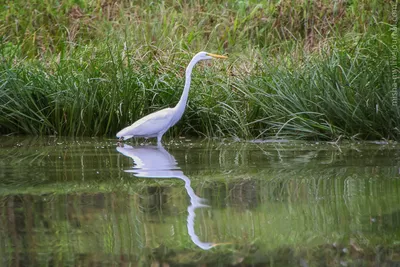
<point>207,246</point>
<point>205,56</point>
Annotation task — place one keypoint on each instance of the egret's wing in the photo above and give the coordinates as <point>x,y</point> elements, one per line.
<point>149,125</point>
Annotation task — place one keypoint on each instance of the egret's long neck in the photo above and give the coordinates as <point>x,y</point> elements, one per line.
<point>180,107</point>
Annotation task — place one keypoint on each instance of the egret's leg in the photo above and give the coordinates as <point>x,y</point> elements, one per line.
<point>159,139</point>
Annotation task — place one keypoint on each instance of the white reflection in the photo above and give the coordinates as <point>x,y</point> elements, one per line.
<point>156,162</point>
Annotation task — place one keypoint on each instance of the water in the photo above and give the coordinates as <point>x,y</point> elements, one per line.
<point>90,202</point>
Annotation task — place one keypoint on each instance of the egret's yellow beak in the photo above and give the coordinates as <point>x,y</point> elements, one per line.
<point>219,244</point>
<point>216,56</point>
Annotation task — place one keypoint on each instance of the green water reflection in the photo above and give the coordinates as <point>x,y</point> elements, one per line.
<point>91,202</point>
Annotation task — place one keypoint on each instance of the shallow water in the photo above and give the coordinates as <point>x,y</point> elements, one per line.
<point>90,202</point>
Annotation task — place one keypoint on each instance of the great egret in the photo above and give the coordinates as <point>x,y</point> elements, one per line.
<point>157,123</point>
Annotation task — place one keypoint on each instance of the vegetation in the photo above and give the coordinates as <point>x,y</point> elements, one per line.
<point>308,70</point>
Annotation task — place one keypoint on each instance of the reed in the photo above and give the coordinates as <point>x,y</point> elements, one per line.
<point>295,70</point>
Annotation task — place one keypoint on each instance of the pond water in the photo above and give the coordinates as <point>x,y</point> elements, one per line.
<point>92,202</point>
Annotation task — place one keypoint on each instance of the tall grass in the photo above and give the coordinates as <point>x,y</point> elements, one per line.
<point>295,70</point>
<point>341,93</point>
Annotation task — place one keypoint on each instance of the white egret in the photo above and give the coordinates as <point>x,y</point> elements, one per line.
<point>157,123</point>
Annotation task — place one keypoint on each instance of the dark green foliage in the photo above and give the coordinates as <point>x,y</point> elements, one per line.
<point>299,70</point>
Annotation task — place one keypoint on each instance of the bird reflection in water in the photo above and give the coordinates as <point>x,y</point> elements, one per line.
<point>156,162</point>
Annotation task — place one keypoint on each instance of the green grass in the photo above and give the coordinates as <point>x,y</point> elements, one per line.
<point>296,70</point>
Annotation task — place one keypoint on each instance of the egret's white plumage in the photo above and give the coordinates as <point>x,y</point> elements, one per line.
<point>157,123</point>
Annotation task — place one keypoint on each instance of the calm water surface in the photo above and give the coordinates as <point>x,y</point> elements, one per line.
<point>91,202</point>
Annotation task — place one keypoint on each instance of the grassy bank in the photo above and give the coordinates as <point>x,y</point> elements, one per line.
<point>311,71</point>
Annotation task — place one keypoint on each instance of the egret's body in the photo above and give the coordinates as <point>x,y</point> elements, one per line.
<point>157,123</point>
<point>152,125</point>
